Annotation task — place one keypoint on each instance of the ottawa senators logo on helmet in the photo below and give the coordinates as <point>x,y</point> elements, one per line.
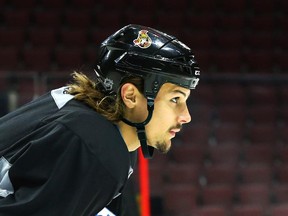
<point>143,40</point>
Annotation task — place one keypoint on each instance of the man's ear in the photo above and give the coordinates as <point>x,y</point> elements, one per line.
<point>129,94</point>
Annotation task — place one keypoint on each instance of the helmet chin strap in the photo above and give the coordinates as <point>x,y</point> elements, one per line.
<point>146,149</point>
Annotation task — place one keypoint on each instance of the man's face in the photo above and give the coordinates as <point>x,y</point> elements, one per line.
<point>170,113</point>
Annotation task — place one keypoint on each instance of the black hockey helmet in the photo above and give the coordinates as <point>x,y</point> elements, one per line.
<point>151,54</point>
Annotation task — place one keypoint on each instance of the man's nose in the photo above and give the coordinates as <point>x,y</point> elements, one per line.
<point>185,116</point>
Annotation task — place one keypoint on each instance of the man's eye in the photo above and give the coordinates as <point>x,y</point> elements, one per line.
<point>175,100</point>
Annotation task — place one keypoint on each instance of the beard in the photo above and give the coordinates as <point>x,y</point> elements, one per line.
<point>163,147</point>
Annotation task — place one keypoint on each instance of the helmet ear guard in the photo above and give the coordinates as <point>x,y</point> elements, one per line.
<point>154,56</point>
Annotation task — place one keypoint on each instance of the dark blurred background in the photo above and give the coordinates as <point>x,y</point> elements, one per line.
<point>232,160</point>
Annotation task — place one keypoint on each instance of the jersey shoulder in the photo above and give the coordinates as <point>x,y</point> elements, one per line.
<point>101,136</point>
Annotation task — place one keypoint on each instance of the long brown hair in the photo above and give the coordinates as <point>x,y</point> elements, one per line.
<point>90,92</point>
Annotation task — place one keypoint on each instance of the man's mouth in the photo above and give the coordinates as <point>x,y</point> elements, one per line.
<point>174,131</point>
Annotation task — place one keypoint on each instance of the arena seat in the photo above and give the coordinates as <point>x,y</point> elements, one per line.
<point>256,173</point>
<point>188,154</point>
<point>281,57</point>
<point>280,193</point>
<point>225,152</point>
<point>50,18</point>
<point>196,134</point>
<point>218,195</point>
<point>146,18</point>
<point>198,40</point>
<point>279,210</point>
<point>220,174</point>
<point>233,114</point>
<point>235,7</point>
<point>259,41</point>
<point>2,3</point>
<point>69,58</point>
<point>263,133</point>
<point>12,36</point>
<point>77,4</point>
<point>157,180</point>
<point>149,4</point>
<point>174,6</point>
<point>281,172</point>
<point>230,40</point>
<point>99,35</point>
<point>209,6</point>
<point>114,18</point>
<point>173,25</point>
<point>262,95</point>
<point>9,58</point>
<point>263,7</point>
<point>116,5</point>
<point>227,60</point>
<point>260,61</point>
<point>73,37</point>
<point>23,4</point>
<point>237,94</point>
<point>27,88</point>
<point>17,18</point>
<point>43,37</point>
<point>209,211</point>
<point>261,23</point>
<point>204,96</point>
<point>78,18</point>
<point>261,114</point>
<point>262,154</point>
<point>201,22</point>
<point>38,58</point>
<point>253,194</point>
<point>283,131</point>
<point>179,173</point>
<point>180,207</point>
<point>247,210</point>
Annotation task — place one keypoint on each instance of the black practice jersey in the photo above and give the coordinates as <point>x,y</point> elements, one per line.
<point>60,157</point>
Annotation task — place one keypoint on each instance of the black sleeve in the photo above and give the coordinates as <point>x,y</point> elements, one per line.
<point>56,174</point>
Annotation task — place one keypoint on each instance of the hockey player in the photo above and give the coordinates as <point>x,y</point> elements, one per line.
<point>71,151</point>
